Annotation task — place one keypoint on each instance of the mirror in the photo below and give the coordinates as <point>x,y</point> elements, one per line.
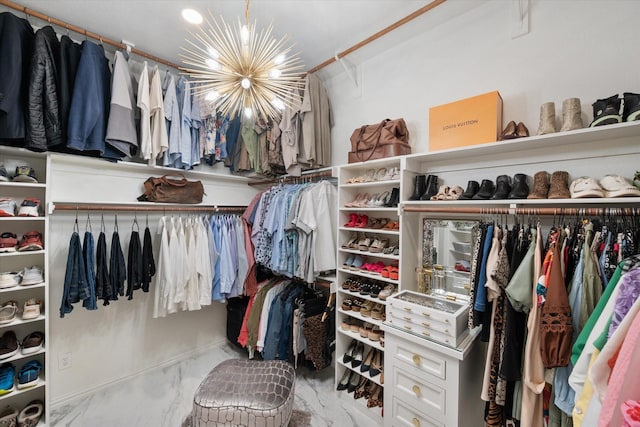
<point>446,257</point>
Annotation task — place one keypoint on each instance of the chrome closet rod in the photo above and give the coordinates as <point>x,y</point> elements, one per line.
<point>524,211</point>
<point>145,208</point>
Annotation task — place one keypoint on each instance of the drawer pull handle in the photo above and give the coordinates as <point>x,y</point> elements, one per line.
<point>407,308</point>
<point>426,324</point>
<point>427,334</point>
<point>407,318</point>
<point>415,422</point>
<point>407,327</point>
<point>446,320</point>
<point>416,359</point>
<point>416,390</point>
<point>425,314</point>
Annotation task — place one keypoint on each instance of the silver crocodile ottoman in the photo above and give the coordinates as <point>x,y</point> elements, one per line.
<point>249,393</point>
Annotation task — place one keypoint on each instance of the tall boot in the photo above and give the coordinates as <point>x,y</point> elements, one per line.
<point>606,111</point>
<point>394,199</point>
<point>571,115</point>
<point>432,188</point>
<point>631,110</point>
<point>547,119</point>
<point>419,187</point>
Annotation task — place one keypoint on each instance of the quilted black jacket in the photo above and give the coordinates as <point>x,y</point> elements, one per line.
<point>44,127</point>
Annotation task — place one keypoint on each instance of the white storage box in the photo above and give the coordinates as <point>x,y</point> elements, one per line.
<point>429,316</point>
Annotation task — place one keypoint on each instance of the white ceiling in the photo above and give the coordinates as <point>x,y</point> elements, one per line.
<point>319,29</point>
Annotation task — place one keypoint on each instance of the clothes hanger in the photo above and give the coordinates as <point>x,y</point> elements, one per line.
<point>87,225</point>
<point>76,229</point>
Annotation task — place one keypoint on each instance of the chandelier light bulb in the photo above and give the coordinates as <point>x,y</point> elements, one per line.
<point>279,59</point>
<point>248,112</point>
<point>213,52</point>
<point>275,73</point>
<point>278,103</point>
<point>245,83</point>
<point>212,63</point>
<point>212,95</point>
<point>244,34</point>
<point>192,16</point>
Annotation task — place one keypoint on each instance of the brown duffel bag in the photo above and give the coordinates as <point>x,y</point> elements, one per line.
<point>388,138</point>
<point>172,189</point>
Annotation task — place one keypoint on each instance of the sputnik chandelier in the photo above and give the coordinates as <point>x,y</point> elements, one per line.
<point>240,69</point>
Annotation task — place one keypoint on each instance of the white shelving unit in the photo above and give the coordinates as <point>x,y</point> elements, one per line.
<point>17,261</point>
<point>450,375</point>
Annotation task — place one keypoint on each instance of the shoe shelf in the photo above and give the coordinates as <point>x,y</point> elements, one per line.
<point>26,185</point>
<point>524,203</point>
<point>23,253</point>
<point>364,297</point>
<point>367,209</point>
<point>20,288</point>
<point>370,254</point>
<point>16,391</point>
<point>369,276</point>
<point>21,356</point>
<point>360,405</point>
<point>387,183</point>
<point>356,336</point>
<point>23,218</point>
<point>357,315</point>
<point>371,230</point>
<point>365,374</point>
<point>17,321</point>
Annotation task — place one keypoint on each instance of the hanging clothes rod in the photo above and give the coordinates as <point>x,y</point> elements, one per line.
<point>144,208</point>
<point>384,31</point>
<point>86,33</point>
<point>287,178</point>
<point>526,211</point>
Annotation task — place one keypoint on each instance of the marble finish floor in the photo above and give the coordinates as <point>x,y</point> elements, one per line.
<point>163,397</point>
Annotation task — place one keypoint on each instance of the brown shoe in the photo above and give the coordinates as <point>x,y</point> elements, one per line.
<point>559,186</point>
<point>509,132</point>
<point>540,185</point>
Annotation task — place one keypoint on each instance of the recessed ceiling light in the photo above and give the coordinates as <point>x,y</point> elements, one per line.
<point>192,16</point>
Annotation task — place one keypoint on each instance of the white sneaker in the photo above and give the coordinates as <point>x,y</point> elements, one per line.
<point>9,279</point>
<point>32,276</point>
<point>7,207</point>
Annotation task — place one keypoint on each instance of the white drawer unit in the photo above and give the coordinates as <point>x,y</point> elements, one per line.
<point>430,317</point>
<point>429,384</point>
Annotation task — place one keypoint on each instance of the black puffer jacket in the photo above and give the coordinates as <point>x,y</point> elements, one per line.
<point>44,128</point>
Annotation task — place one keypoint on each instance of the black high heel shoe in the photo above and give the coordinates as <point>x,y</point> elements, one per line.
<point>358,355</point>
<point>354,381</point>
<point>366,363</point>
<point>348,355</point>
<point>344,381</point>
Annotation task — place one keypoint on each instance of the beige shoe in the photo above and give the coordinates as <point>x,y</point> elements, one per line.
<point>571,115</point>
<point>31,309</point>
<point>8,312</point>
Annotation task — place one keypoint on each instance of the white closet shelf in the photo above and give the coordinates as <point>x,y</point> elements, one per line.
<point>103,165</point>
<point>365,297</point>
<point>23,185</point>
<point>524,203</point>
<point>19,288</point>
<point>350,209</point>
<point>357,315</point>
<point>369,276</point>
<point>18,321</point>
<point>356,336</point>
<point>17,392</point>
<point>367,184</point>
<point>23,218</point>
<point>366,374</point>
<point>23,253</point>
<point>371,254</point>
<point>21,356</point>
<point>574,137</point>
<point>371,230</point>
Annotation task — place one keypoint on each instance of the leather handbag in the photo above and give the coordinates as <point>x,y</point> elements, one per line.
<point>388,138</point>
<point>173,188</point>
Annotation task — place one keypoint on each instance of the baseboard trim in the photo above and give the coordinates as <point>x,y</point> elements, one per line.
<point>175,359</point>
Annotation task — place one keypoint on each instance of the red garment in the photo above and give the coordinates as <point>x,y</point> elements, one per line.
<point>243,337</point>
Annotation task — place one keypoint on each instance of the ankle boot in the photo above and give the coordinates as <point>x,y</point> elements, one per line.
<point>419,187</point>
<point>631,110</point>
<point>571,115</point>
<point>540,186</point>
<point>486,190</point>
<point>432,188</point>
<point>559,185</point>
<point>394,199</point>
<point>520,188</point>
<point>472,189</point>
<point>606,111</point>
<point>503,188</point>
<point>547,119</point>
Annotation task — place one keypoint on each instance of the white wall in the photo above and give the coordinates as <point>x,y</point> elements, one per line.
<point>584,49</point>
<point>122,339</point>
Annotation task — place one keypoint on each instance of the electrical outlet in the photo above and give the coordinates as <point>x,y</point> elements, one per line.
<point>64,361</point>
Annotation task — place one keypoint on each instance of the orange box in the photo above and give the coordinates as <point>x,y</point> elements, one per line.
<point>470,121</point>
